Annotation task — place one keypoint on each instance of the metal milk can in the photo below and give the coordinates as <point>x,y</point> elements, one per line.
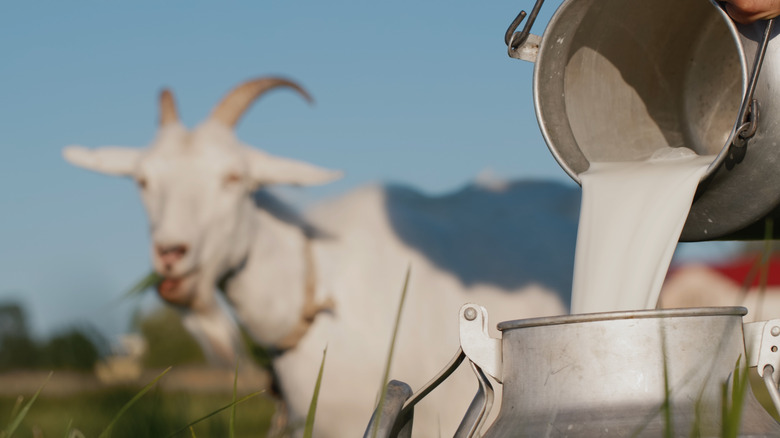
<point>648,373</point>
<point>613,79</point>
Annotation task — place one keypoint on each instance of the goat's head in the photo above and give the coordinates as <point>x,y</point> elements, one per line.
<point>196,186</point>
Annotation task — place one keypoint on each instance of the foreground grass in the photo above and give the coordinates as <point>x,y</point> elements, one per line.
<point>158,414</point>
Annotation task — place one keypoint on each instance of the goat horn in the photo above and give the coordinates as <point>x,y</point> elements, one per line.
<point>168,113</point>
<point>233,106</point>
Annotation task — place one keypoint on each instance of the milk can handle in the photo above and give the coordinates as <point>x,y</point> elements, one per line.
<point>396,417</point>
<point>747,119</point>
<point>476,414</point>
<point>480,406</point>
<point>771,386</point>
<point>388,420</point>
<point>513,39</point>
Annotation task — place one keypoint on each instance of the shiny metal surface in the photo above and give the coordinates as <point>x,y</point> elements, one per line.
<point>610,374</point>
<point>614,79</point>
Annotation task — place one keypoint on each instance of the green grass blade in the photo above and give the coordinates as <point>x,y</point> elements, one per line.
<point>192,432</point>
<point>15,410</point>
<point>733,411</point>
<point>667,404</point>
<point>696,427</point>
<point>390,353</point>
<point>150,280</point>
<point>308,429</point>
<point>68,428</point>
<point>233,408</point>
<point>724,409</point>
<point>211,414</point>
<point>107,431</point>
<point>23,412</point>
<point>769,225</point>
<point>766,257</point>
<point>75,433</point>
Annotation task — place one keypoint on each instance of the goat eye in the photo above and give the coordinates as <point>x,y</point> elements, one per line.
<point>141,183</point>
<point>231,179</point>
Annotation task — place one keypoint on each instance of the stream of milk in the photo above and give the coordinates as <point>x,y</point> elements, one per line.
<point>631,218</point>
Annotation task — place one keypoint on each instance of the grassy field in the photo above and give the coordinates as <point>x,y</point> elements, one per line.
<point>159,413</point>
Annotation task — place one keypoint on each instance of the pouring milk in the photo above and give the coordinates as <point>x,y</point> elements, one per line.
<point>631,218</point>
<point>636,193</point>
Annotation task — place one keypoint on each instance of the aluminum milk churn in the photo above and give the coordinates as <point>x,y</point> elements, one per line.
<point>647,373</point>
<point>614,78</point>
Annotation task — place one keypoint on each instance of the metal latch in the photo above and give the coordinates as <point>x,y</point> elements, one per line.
<point>476,342</point>
<point>762,345</point>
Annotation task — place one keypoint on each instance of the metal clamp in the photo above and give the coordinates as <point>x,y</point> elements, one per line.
<point>513,39</point>
<point>476,342</point>
<point>762,345</point>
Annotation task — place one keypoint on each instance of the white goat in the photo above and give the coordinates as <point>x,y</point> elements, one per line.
<point>279,276</point>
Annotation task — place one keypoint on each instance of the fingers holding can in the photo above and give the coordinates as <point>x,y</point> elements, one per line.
<point>749,11</point>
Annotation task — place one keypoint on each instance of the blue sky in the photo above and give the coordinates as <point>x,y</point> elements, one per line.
<point>406,91</point>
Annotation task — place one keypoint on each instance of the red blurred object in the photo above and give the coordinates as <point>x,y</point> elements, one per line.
<point>747,268</point>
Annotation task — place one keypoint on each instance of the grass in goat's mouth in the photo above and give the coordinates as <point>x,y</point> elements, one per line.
<point>151,280</point>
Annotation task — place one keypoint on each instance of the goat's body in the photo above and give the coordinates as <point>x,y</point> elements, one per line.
<point>509,248</point>
<point>361,266</point>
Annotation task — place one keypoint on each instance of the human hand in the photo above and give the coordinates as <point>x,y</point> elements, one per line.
<point>748,11</point>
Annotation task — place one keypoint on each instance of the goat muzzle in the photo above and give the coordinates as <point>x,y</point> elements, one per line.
<point>170,255</point>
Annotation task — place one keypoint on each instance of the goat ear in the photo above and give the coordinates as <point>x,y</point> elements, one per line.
<point>268,169</point>
<point>110,160</point>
